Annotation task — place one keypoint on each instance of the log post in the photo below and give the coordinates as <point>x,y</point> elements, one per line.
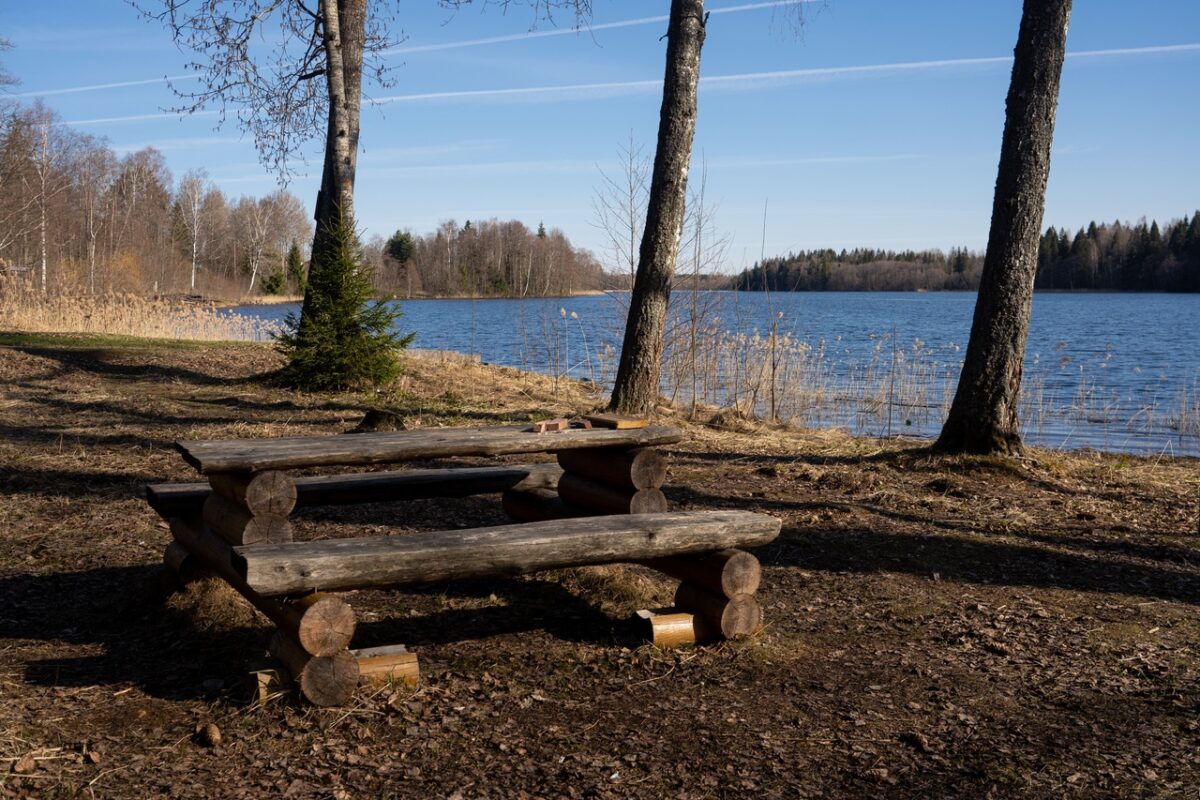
<point>727,573</point>
<point>238,526</point>
<point>390,663</point>
<point>730,616</point>
<point>322,624</point>
<point>605,499</point>
<point>269,492</point>
<point>640,468</point>
<point>322,680</point>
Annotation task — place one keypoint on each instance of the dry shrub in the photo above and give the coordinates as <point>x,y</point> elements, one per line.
<point>619,589</point>
<point>24,308</point>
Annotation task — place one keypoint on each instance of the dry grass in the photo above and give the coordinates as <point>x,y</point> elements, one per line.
<point>24,308</point>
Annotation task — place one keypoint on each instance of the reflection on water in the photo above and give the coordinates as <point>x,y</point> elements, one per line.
<point>1109,371</point>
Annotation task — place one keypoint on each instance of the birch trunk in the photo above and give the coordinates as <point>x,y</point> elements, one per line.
<point>636,387</point>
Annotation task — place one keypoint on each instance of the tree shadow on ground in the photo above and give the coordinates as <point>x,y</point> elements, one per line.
<point>976,559</point>
<point>100,361</point>
<point>73,483</point>
<point>899,459</point>
<point>168,653</point>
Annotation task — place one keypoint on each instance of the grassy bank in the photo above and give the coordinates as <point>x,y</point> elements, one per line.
<point>935,626</point>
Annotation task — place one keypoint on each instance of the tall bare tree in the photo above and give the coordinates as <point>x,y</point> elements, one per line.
<point>983,416</point>
<point>191,193</point>
<point>637,383</point>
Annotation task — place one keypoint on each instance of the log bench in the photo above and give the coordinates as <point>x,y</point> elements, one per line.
<point>600,504</point>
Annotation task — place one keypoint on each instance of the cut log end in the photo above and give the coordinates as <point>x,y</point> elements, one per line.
<point>639,468</point>
<point>605,499</point>
<point>329,680</point>
<point>727,572</point>
<point>731,617</point>
<point>326,625</point>
<point>238,526</point>
<point>268,492</point>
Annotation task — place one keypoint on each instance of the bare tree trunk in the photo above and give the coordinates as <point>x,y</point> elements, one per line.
<point>983,417</point>
<point>345,34</point>
<point>637,383</point>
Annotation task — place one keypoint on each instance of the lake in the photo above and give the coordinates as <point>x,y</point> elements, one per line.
<point>1118,372</point>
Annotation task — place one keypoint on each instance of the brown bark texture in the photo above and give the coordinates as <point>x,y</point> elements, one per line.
<point>983,417</point>
<point>636,387</point>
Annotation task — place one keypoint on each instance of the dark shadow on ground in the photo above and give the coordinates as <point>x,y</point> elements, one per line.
<point>976,559</point>
<point>72,483</point>
<point>167,653</point>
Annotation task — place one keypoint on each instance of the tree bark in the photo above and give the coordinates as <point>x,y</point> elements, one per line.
<point>636,387</point>
<point>344,38</point>
<point>983,417</point>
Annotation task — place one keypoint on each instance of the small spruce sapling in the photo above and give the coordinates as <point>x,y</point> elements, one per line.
<point>347,341</point>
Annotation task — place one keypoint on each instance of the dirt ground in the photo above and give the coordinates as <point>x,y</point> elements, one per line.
<point>936,627</point>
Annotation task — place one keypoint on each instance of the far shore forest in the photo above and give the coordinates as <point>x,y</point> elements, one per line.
<point>77,218</point>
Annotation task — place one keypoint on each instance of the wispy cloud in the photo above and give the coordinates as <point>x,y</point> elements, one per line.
<point>758,79</point>
<point>491,168</point>
<point>586,29</point>
<point>99,87</point>
<point>811,161</point>
<point>140,118</point>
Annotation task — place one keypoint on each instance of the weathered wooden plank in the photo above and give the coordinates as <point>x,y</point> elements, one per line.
<point>374,448</point>
<point>504,550</point>
<point>388,663</point>
<point>183,499</point>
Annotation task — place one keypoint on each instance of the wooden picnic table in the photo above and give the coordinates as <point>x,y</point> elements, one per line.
<point>600,504</point>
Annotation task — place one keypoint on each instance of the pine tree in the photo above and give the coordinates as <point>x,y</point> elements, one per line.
<point>345,340</point>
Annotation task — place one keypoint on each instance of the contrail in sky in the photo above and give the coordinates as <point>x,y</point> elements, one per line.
<point>766,77</point>
<point>745,78</point>
<point>603,26</point>
<point>439,46</point>
<point>95,87</point>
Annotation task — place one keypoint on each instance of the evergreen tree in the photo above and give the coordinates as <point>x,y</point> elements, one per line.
<point>345,341</point>
<point>295,268</point>
<point>400,246</point>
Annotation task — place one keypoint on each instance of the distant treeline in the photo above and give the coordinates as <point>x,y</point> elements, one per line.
<point>487,258</point>
<point>1123,257</point>
<point>1116,257</point>
<point>863,270</point>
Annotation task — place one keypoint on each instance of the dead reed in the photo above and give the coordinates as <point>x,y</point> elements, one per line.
<point>24,308</point>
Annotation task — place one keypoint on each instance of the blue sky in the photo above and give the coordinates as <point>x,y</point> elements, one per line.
<point>878,125</point>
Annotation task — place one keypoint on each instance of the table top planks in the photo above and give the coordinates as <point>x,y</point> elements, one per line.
<point>252,455</point>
